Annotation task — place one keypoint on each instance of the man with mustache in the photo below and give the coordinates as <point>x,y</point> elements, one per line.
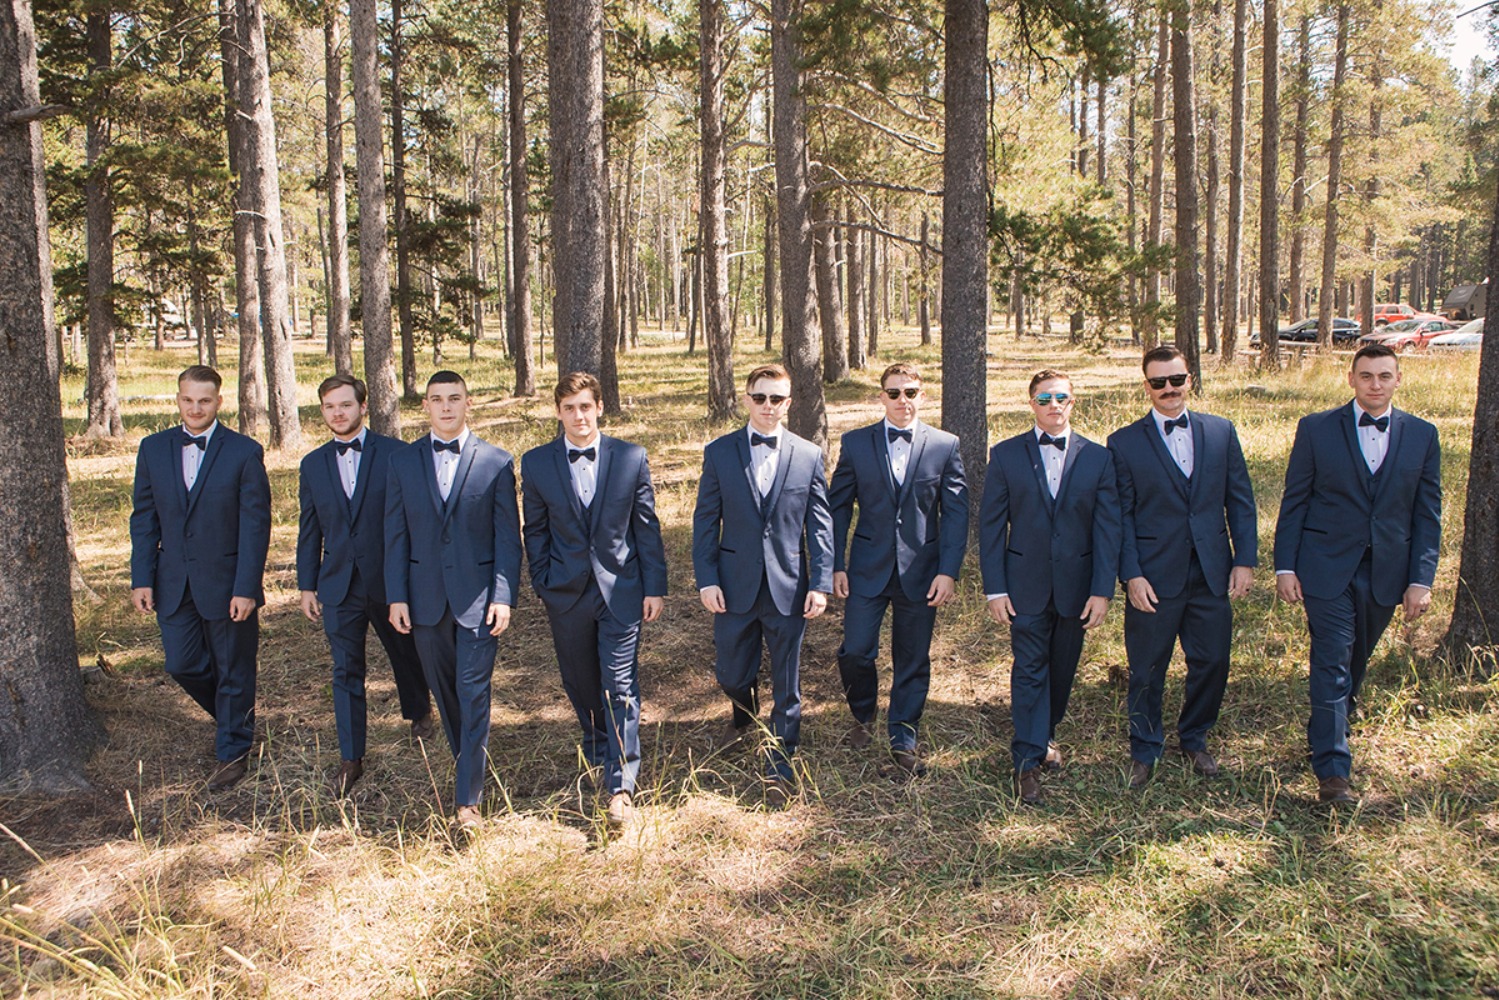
<point>1190,545</point>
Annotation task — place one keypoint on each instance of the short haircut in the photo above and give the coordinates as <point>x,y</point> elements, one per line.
<point>361,394</point>
<point>575,382</point>
<point>1164,352</point>
<point>201,373</point>
<point>775,372</point>
<point>1374,351</point>
<point>1047,375</point>
<point>446,377</point>
<point>900,368</point>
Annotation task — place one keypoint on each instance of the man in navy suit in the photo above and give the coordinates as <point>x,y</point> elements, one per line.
<point>341,568</point>
<point>762,551</point>
<point>1358,535</point>
<point>598,564</point>
<point>1189,547</point>
<point>1049,535</point>
<point>452,569</point>
<point>199,533</point>
<point>907,480</point>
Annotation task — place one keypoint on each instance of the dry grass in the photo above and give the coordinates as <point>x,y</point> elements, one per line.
<point>150,887</point>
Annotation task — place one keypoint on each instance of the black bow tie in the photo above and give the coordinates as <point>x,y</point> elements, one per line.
<point>452,445</point>
<point>344,446</point>
<point>1383,423</point>
<point>1059,443</point>
<point>895,432</point>
<point>769,442</point>
<point>573,454</point>
<point>201,441</point>
<point>1180,421</point>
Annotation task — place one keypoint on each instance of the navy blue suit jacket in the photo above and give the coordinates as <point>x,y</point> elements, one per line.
<point>1166,517</point>
<point>340,534</point>
<point>738,540</point>
<point>618,544</point>
<point>1331,513</point>
<point>1039,550</point>
<point>464,555</point>
<point>919,529</point>
<point>213,540</point>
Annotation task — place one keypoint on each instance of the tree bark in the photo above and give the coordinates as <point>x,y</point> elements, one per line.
<point>1233,259</point>
<point>770,274</point>
<point>808,415</point>
<point>1157,178</point>
<point>854,239</point>
<point>1184,129</point>
<point>872,294</point>
<point>252,392</point>
<point>924,288</point>
<point>1270,190</point>
<point>340,337</point>
<point>965,238</point>
<point>520,186</point>
<point>1210,297</point>
<point>404,292</point>
<point>103,386</point>
<point>575,54</point>
<point>1297,280</point>
<point>829,309</point>
<point>714,238</point>
<point>46,730</point>
<point>1327,295</point>
<point>1371,194</point>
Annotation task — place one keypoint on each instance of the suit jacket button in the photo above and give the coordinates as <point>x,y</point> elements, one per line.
<point>445,539</point>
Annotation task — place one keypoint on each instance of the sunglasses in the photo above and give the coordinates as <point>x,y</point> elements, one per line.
<point>1047,398</point>
<point>1160,383</point>
<point>759,398</point>
<point>910,392</point>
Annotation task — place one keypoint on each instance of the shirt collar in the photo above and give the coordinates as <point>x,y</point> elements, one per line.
<point>207,435</point>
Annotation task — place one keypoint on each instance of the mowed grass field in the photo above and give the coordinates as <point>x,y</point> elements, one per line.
<point>867,886</point>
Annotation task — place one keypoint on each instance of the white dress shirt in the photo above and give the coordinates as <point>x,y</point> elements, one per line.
<point>1054,458</point>
<point>348,463</point>
<point>585,470</point>
<point>765,459</point>
<point>1179,441</point>
<point>1372,441</point>
<point>899,450</point>
<point>445,463</point>
<point>192,455</point>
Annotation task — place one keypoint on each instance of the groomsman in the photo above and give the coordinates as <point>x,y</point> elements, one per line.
<point>199,533</point>
<point>1049,536</point>
<point>341,568</point>
<point>762,551</point>
<point>1189,546</point>
<point>598,564</point>
<point>907,480</point>
<point>452,568</point>
<point>1358,535</point>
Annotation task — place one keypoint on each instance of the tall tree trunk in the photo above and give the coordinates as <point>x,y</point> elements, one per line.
<point>46,730</point>
<point>853,239</point>
<point>872,346</point>
<point>924,298</point>
<point>404,291</point>
<point>714,239</point>
<point>575,53</point>
<point>1270,190</point>
<point>1233,260</point>
<point>1102,133</point>
<point>1326,297</point>
<point>808,415</point>
<point>1371,192</point>
<point>103,387</point>
<point>609,337</point>
<point>965,237</point>
<point>340,337</point>
<point>1157,178</point>
<point>1132,214</point>
<point>770,275</point>
<point>520,186</point>
<point>1210,297</point>
<point>1184,128</point>
<point>829,309</point>
<point>1297,282</point>
<point>1082,120</point>
<point>374,250</point>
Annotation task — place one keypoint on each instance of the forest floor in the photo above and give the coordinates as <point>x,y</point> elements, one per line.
<point>867,886</point>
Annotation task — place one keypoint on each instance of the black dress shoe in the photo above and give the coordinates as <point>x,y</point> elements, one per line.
<point>1335,791</point>
<point>228,773</point>
<point>1053,759</point>
<point>423,728</point>
<point>349,773</point>
<point>1202,762</point>
<point>1140,774</point>
<point>858,735</point>
<point>910,762</point>
<point>1028,786</point>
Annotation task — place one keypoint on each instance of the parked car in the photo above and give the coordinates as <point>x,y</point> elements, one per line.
<point>1391,312</point>
<point>1393,330</point>
<point>1305,332</point>
<point>1417,337</point>
<point>1468,337</point>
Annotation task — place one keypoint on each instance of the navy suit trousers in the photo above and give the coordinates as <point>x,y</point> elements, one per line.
<point>911,624</point>
<point>1047,647</point>
<point>214,661</point>
<point>737,639</point>
<point>1204,622</point>
<point>347,626</point>
<point>1344,631</point>
<point>458,663</point>
<point>600,662</point>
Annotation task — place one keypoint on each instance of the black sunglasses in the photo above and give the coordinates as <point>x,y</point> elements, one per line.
<point>759,399</point>
<point>1176,380</point>
<point>910,392</point>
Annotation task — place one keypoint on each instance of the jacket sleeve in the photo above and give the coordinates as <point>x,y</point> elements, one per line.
<point>254,526</point>
<point>994,526</point>
<point>537,526</point>
<point>1243,516</point>
<point>842,492</point>
<point>1301,471</point>
<point>1426,517</point>
<point>819,528</point>
<point>1106,530</point>
<point>145,525</point>
<point>952,543</point>
<point>707,525</point>
<point>1129,551</point>
<point>505,587</point>
<point>397,538</point>
<point>309,535</point>
<point>652,550</point>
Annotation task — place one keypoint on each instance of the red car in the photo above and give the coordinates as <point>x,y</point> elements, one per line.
<point>1416,334</point>
<point>1391,312</point>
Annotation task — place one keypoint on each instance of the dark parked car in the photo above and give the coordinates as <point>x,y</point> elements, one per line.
<point>1305,332</point>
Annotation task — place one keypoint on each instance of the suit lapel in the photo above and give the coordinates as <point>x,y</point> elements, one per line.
<point>1152,432</point>
<point>879,442</point>
<point>1038,468</point>
<point>747,462</point>
<point>465,462</point>
<point>1074,446</point>
<point>600,477</point>
<point>1346,417</point>
<point>173,458</point>
<point>565,477</point>
<point>215,445</point>
<point>1397,437</point>
<point>362,478</point>
<point>782,467</point>
<point>335,481</point>
<point>918,445</point>
<point>425,461</point>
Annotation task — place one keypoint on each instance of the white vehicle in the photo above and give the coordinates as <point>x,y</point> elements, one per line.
<point>1468,337</point>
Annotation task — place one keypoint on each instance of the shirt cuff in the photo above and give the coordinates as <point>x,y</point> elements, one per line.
<point>1422,586</point>
<point>991,597</point>
<point>1285,572</point>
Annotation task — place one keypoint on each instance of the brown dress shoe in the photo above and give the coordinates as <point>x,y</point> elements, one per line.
<point>621,810</point>
<point>910,762</point>
<point>423,728</point>
<point>349,772</point>
<point>228,773</point>
<point>777,793</point>
<point>1053,760</point>
<point>1028,785</point>
<point>1335,791</point>
<point>1202,762</point>
<point>858,735</point>
<point>731,734</point>
<point>1140,774</point>
<point>468,818</point>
